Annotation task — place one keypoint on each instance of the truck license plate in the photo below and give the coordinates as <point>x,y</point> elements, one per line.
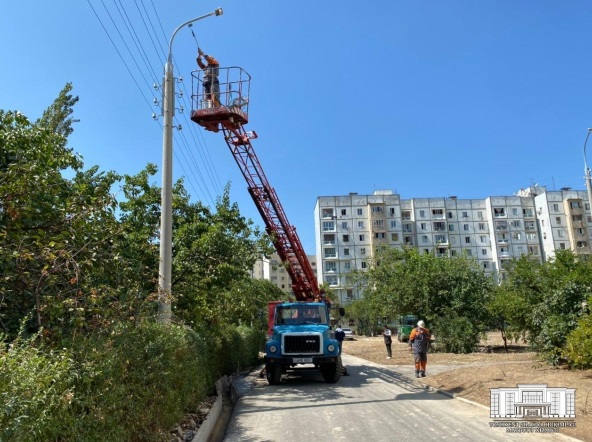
<point>302,360</point>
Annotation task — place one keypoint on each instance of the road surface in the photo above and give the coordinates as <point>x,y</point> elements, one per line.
<point>375,403</point>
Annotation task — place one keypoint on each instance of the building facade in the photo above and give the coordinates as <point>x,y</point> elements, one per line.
<point>493,230</point>
<point>272,270</point>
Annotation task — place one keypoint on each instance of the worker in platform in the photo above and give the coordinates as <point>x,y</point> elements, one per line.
<point>210,80</point>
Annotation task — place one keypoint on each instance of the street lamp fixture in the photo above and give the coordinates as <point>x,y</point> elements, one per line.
<point>166,209</point>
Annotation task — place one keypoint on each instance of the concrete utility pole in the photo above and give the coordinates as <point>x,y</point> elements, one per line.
<point>166,209</point>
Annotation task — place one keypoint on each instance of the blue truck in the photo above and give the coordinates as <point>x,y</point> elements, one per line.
<point>301,338</point>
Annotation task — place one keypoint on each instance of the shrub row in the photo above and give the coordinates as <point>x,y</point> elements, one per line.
<point>134,383</point>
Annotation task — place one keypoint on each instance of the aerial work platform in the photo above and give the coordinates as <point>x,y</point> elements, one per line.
<point>228,107</point>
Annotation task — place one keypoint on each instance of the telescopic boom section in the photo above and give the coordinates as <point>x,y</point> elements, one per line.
<point>230,117</point>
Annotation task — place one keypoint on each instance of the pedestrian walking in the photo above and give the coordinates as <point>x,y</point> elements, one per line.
<point>388,340</point>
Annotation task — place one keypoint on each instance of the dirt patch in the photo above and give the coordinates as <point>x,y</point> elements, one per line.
<point>491,367</point>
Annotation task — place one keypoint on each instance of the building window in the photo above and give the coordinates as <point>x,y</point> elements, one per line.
<point>439,226</point>
<point>580,231</point>
<point>406,215</point>
<point>529,225</point>
<point>485,265</point>
<point>407,228</point>
<point>514,212</point>
<point>392,211</point>
<point>560,233</point>
<point>360,224</point>
<point>345,252</point>
<point>575,204</point>
<point>480,215</point>
<point>451,227</point>
<point>344,225</point>
<point>481,226</point>
<point>440,239</point>
<point>554,403</point>
<point>379,235</point>
<point>515,224</point>
<point>330,266</point>
<point>558,219</point>
<point>517,235</point>
<point>328,239</point>
<point>576,217</point>
<point>393,224</point>
<point>483,239</point>
<point>465,214</point>
<point>580,244</point>
<point>347,265</point>
<point>533,250</point>
<point>331,280</point>
<point>364,265</point>
<point>484,252</point>
<point>449,214</point>
<point>555,207</point>
<point>345,238</point>
<point>466,227</point>
<point>343,212</point>
<point>423,226</point>
<point>377,209</point>
<point>527,212</point>
<point>562,245</point>
<point>327,213</point>
<point>469,252</point>
<point>438,213</point>
<point>362,238</point>
<point>328,226</point>
<point>467,240</point>
<point>395,237</point>
<point>378,223</point>
<point>422,213</point>
<point>424,238</point>
<point>359,212</point>
<point>499,211</point>
<point>408,240</point>
<point>330,252</point>
<point>363,251</point>
<point>531,236</point>
<point>510,404</point>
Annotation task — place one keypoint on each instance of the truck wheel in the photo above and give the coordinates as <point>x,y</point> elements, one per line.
<point>274,374</point>
<point>332,372</point>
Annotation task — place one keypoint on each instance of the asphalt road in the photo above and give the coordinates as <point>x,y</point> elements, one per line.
<point>375,403</point>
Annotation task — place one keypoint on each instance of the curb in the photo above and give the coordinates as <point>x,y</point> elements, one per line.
<point>206,429</point>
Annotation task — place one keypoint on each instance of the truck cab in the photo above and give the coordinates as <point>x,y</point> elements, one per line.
<point>301,337</point>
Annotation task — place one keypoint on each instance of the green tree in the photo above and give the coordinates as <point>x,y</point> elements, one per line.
<point>53,229</point>
<point>401,282</point>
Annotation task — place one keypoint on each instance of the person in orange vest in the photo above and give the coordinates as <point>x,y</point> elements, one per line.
<point>210,80</point>
<point>419,343</point>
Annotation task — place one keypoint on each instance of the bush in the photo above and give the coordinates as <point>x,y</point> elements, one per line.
<point>455,335</point>
<point>37,387</point>
<point>578,349</point>
<point>132,384</point>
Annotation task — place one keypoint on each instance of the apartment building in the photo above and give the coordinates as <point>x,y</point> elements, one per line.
<point>493,230</point>
<point>272,270</point>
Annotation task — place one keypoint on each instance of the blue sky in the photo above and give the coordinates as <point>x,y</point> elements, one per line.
<point>428,98</point>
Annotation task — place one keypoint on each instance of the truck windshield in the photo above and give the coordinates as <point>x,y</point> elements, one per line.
<point>301,314</point>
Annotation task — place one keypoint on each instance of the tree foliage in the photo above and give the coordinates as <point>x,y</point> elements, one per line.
<point>74,258</point>
<point>403,282</point>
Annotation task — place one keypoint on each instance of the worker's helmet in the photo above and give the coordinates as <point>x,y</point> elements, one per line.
<point>421,324</point>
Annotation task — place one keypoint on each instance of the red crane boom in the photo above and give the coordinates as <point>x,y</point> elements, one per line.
<point>230,116</point>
